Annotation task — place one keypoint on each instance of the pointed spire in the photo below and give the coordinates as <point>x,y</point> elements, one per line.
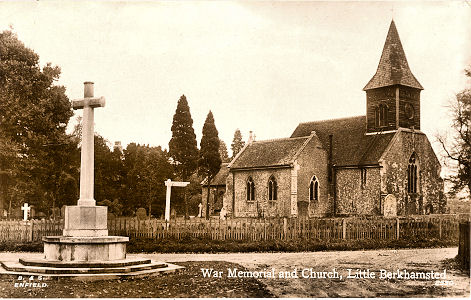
<point>393,67</point>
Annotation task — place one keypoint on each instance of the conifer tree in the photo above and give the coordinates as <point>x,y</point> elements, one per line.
<point>210,160</point>
<point>223,151</point>
<point>183,146</point>
<point>237,143</point>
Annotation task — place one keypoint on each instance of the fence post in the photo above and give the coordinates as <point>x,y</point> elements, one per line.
<point>397,228</point>
<point>31,231</point>
<point>440,227</point>
<point>285,228</point>
<point>344,229</point>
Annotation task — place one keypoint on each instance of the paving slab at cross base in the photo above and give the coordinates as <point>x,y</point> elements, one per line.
<point>87,270</point>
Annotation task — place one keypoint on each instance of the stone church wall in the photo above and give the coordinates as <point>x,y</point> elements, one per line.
<point>355,198</point>
<point>216,196</point>
<point>430,197</point>
<point>313,161</point>
<point>261,207</point>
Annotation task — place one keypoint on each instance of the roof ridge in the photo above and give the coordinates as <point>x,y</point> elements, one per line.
<point>280,139</point>
<point>335,119</point>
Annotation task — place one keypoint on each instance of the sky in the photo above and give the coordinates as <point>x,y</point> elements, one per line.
<point>258,66</point>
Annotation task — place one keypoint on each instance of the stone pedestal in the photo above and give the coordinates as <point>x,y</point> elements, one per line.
<point>85,221</point>
<point>86,249</point>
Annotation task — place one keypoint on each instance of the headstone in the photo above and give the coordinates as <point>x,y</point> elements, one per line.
<point>25,208</point>
<point>222,213</point>
<point>141,213</point>
<point>41,215</point>
<point>390,206</point>
<point>200,210</point>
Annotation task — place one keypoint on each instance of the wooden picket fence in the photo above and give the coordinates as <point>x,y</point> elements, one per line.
<point>352,228</point>
<point>28,231</point>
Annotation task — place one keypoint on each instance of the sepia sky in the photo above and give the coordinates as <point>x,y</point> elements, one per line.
<point>261,66</point>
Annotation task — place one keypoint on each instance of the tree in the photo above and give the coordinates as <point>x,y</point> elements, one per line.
<point>223,151</point>
<point>458,151</point>
<point>34,113</point>
<point>146,169</point>
<point>183,146</point>
<point>109,171</point>
<point>210,160</point>
<point>237,143</point>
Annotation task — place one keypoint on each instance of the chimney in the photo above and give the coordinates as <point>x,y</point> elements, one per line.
<point>251,137</point>
<point>117,145</point>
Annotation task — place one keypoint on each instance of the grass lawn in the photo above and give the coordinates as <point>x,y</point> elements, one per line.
<point>185,283</point>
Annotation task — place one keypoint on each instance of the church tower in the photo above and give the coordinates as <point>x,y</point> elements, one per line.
<point>393,94</point>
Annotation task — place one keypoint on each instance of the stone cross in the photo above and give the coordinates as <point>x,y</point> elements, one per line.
<point>88,103</point>
<point>169,183</point>
<point>25,208</point>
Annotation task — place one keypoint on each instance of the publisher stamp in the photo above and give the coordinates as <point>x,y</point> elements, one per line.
<point>30,282</point>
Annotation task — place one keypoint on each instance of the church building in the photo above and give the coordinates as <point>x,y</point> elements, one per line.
<point>376,164</point>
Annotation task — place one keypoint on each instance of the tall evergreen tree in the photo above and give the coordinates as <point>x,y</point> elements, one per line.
<point>223,151</point>
<point>237,143</point>
<point>210,160</point>
<point>183,146</point>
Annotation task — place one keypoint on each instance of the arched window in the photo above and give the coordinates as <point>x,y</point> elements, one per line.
<point>272,188</point>
<point>314,189</point>
<point>250,189</point>
<point>381,115</point>
<point>412,174</point>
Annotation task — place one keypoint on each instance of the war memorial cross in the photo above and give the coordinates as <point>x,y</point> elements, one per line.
<point>88,104</point>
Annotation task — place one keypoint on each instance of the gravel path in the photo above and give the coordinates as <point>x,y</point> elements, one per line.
<point>456,284</point>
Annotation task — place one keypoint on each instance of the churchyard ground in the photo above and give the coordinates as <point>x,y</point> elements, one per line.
<point>191,281</point>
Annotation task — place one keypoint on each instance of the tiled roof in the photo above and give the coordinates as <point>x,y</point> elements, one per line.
<point>269,153</point>
<point>351,146</point>
<point>220,178</point>
<point>393,67</point>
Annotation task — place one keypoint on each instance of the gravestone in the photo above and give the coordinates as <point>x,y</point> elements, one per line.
<point>390,206</point>
<point>141,213</point>
<point>200,210</point>
<point>26,209</point>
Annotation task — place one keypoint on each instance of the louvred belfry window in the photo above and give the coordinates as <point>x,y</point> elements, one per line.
<point>381,115</point>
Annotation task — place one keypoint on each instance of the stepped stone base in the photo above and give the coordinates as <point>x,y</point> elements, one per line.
<point>103,248</point>
<point>87,270</point>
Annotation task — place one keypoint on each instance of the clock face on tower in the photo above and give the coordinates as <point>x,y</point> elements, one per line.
<point>409,111</point>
